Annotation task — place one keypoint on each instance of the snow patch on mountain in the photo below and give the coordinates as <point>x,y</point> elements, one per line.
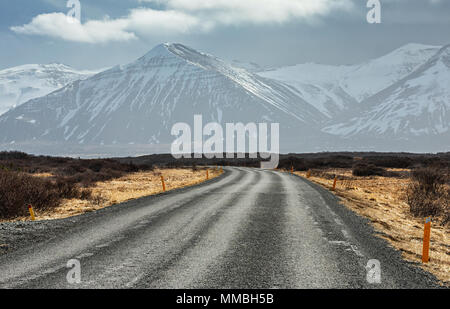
<point>141,101</point>
<point>398,102</point>
<point>367,79</point>
<point>337,88</point>
<point>23,83</point>
<point>418,105</point>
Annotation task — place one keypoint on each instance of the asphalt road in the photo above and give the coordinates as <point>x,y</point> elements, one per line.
<point>250,228</point>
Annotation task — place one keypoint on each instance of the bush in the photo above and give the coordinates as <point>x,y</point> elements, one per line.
<point>95,166</point>
<point>194,167</point>
<point>363,169</point>
<point>72,169</point>
<point>429,193</point>
<point>175,164</point>
<point>18,190</point>
<point>72,179</point>
<point>11,155</point>
<point>390,161</point>
<point>297,163</point>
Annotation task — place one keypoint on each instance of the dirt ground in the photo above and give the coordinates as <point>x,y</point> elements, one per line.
<point>126,188</point>
<point>382,200</point>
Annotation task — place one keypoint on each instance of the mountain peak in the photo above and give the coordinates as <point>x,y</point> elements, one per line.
<point>409,53</point>
<point>157,51</point>
<point>165,49</point>
<point>29,81</point>
<point>417,46</point>
<point>35,67</point>
<point>181,52</point>
<point>185,51</point>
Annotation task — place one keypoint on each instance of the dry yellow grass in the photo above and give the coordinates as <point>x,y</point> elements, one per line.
<point>127,188</point>
<point>43,175</point>
<point>382,200</point>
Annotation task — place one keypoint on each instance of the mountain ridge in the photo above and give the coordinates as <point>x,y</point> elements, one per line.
<point>137,104</point>
<point>22,83</point>
<point>399,97</point>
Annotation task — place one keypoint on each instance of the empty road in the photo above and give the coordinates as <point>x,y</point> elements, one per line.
<point>250,228</point>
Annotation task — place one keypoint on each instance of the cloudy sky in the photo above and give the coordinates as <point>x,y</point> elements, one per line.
<point>269,32</point>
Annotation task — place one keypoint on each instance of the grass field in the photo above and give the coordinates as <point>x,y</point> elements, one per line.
<point>122,189</point>
<point>127,188</point>
<point>62,187</point>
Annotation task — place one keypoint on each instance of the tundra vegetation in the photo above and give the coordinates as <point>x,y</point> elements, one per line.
<point>62,187</point>
<point>44,182</point>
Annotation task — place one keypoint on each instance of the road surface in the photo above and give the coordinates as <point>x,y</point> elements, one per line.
<point>250,228</point>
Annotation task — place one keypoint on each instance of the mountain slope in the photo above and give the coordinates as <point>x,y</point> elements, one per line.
<point>317,84</point>
<point>140,102</point>
<point>23,83</point>
<point>416,106</point>
<point>399,102</point>
<point>365,80</point>
<point>335,90</point>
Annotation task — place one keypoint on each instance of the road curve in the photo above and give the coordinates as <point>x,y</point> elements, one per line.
<point>250,228</point>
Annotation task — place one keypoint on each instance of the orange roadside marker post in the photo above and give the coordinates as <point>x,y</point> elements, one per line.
<point>334,183</point>
<point>292,169</point>
<point>308,174</point>
<point>30,209</point>
<point>163,184</point>
<point>426,241</point>
<point>207,174</point>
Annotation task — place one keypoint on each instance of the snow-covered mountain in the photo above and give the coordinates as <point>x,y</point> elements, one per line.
<point>416,106</point>
<point>334,90</point>
<point>23,83</point>
<point>367,79</point>
<point>140,102</point>
<point>398,102</point>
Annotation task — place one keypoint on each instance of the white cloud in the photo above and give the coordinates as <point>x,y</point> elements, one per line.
<point>179,16</point>
<point>254,11</point>
<point>60,26</point>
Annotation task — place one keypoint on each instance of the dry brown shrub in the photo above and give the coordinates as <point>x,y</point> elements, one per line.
<point>428,193</point>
